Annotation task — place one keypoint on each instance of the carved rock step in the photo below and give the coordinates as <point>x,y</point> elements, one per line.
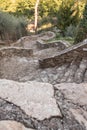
<point>59,73</point>
<point>25,69</point>
<point>12,125</point>
<point>76,71</point>
<point>80,73</point>
<point>70,71</point>
<point>52,75</point>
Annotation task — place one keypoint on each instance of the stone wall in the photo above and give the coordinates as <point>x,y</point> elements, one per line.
<point>67,55</point>
<point>15,51</point>
<point>43,45</point>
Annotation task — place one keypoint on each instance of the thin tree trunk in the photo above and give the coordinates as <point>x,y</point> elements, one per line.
<point>36,15</point>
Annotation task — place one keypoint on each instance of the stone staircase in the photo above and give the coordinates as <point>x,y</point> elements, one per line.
<point>59,103</point>
<point>74,71</point>
<point>67,66</point>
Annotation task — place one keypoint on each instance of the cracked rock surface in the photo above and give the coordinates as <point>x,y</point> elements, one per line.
<point>35,99</point>
<point>75,94</point>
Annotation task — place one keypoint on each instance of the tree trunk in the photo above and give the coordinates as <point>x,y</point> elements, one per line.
<point>36,15</point>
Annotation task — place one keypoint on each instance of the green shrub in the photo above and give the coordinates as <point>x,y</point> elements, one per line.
<point>68,14</point>
<point>71,31</point>
<point>82,29</point>
<point>11,27</point>
<point>21,26</point>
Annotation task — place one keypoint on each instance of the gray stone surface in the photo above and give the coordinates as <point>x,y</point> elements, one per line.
<point>76,93</point>
<point>16,68</point>
<point>80,116</point>
<point>74,100</point>
<point>36,99</point>
<point>12,125</point>
<point>25,69</point>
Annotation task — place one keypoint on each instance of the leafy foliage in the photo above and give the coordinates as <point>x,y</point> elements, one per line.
<point>68,14</point>
<point>71,31</point>
<point>25,7</point>
<point>82,29</point>
<point>60,13</point>
<point>48,8</point>
<point>12,27</point>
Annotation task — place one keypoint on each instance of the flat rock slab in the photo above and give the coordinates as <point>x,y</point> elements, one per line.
<point>16,68</point>
<point>36,99</point>
<point>77,93</point>
<point>12,125</point>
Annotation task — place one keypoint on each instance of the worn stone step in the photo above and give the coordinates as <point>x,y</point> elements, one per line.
<point>51,75</point>
<point>70,72</point>
<point>61,72</point>
<point>56,77</point>
<point>79,75</point>
<point>68,76</point>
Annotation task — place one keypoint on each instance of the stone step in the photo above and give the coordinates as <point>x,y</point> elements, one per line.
<point>68,76</point>
<point>70,72</point>
<point>79,75</point>
<point>51,75</point>
<point>61,71</point>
